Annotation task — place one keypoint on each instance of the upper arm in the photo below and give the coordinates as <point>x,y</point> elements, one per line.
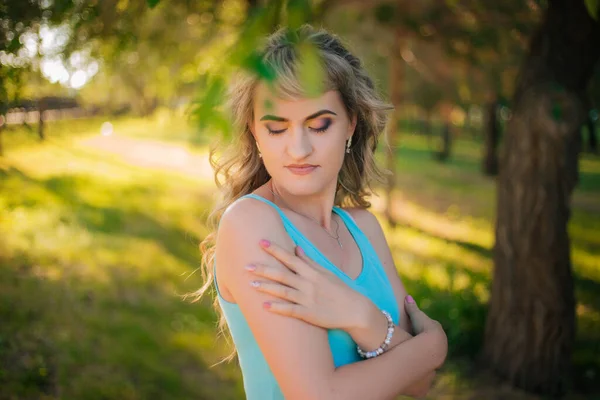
<point>372,229</point>
<point>298,353</point>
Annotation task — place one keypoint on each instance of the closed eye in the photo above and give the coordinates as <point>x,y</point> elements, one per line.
<point>323,127</point>
<point>273,132</point>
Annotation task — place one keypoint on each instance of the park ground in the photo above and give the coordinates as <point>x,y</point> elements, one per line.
<point>99,241</point>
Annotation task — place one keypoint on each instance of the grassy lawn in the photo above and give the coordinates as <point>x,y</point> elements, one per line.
<point>95,250</point>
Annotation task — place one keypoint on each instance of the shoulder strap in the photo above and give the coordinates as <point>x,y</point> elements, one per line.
<point>347,218</point>
<point>275,206</point>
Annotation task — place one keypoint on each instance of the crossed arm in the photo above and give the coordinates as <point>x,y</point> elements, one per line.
<point>297,352</point>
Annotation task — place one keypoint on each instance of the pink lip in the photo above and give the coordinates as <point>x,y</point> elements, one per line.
<point>301,169</point>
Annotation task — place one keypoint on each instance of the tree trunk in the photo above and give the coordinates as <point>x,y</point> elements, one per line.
<point>396,77</point>
<point>2,124</point>
<point>428,129</point>
<point>444,153</point>
<point>491,139</point>
<point>531,321</point>
<point>42,110</point>
<point>592,138</point>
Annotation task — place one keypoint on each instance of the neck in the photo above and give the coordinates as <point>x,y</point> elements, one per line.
<point>317,207</point>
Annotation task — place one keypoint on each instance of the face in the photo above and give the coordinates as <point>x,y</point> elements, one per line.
<point>302,141</point>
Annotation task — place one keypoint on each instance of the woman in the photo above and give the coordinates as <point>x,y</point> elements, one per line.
<point>308,289</point>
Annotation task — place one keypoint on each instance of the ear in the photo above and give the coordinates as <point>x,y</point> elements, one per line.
<point>352,126</point>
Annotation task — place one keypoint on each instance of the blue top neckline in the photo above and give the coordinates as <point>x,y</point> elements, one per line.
<point>348,222</point>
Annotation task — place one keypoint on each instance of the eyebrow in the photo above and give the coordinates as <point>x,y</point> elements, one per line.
<point>312,116</point>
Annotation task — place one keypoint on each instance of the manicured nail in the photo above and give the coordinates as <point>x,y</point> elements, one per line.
<point>410,300</point>
<point>264,243</point>
<point>267,305</point>
<point>300,250</point>
<point>255,283</point>
<point>250,267</point>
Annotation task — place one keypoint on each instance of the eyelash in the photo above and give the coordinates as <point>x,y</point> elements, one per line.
<point>320,130</point>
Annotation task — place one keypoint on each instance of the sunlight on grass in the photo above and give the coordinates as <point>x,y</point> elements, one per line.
<point>107,239</point>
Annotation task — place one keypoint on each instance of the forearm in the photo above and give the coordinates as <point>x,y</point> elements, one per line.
<point>372,335</point>
<point>391,373</point>
<point>370,329</point>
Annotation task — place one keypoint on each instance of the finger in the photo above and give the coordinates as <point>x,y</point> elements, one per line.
<point>302,255</point>
<point>288,259</point>
<point>411,308</point>
<point>313,265</point>
<point>275,273</point>
<point>277,290</point>
<point>288,309</point>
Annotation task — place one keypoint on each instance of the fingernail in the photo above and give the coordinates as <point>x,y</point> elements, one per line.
<point>300,251</point>
<point>267,305</point>
<point>264,243</point>
<point>250,267</point>
<point>409,299</point>
<point>255,284</point>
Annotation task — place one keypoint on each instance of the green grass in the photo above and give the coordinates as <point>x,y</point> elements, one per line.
<point>92,263</point>
<point>94,252</point>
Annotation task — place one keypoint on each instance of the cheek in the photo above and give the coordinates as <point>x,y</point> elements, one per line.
<point>331,152</point>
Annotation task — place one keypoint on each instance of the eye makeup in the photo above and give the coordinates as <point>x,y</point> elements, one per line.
<point>326,123</point>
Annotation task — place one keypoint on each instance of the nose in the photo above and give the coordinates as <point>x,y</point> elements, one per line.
<point>299,145</point>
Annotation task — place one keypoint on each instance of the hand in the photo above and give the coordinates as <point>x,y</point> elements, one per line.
<point>419,320</point>
<point>308,291</point>
<point>421,323</point>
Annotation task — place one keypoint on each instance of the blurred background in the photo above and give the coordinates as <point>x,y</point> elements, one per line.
<point>107,111</point>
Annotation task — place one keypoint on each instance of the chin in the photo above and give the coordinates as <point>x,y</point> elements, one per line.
<point>301,186</point>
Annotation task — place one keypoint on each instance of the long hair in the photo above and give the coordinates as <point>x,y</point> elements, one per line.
<point>239,169</point>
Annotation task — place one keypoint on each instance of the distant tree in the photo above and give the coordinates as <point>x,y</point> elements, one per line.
<point>491,138</point>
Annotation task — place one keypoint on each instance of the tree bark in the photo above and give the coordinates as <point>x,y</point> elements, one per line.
<point>491,139</point>
<point>2,124</point>
<point>592,138</point>
<point>396,78</point>
<point>42,110</point>
<point>444,153</point>
<point>531,321</point>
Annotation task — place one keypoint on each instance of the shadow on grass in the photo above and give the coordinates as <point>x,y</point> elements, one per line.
<point>125,335</point>
<point>124,339</point>
<point>63,338</point>
<point>480,250</point>
<point>123,219</point>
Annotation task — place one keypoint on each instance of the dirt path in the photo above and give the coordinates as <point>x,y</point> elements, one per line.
<point>154,154</point>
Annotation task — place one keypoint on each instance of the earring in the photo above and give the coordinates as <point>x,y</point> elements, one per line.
<point>348,145</point>
<point>259,153</point>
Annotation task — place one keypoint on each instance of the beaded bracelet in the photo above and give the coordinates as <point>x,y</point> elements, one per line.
<point>381,349</point>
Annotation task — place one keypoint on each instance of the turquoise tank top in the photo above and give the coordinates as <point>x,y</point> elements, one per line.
<point>259,382</point>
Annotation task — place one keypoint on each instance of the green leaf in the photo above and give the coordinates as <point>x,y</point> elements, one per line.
<point>152,3</point>
<point>593,6</point>
<point>298,13</point>
<point>255,64</point>
<point>310,69</point>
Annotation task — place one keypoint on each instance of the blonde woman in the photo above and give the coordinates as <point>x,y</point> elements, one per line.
<point>305,280</point>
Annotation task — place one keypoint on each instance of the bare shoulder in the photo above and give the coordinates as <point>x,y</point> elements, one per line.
<point>248,218</point>
<point>243,224</point>
<point>285,342</point>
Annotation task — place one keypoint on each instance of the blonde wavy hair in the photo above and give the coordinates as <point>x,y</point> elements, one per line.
<point>239,169</point>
